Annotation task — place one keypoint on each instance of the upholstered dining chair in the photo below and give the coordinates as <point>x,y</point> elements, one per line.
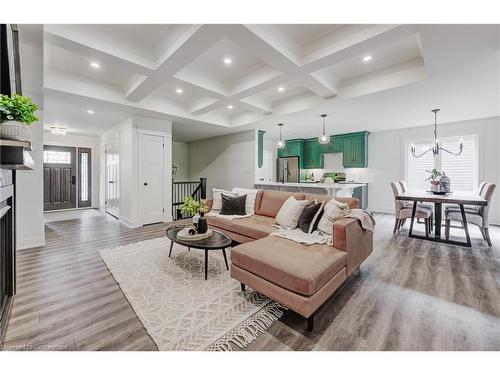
<point>477,215</point>
<point>427,207</point>
<point>404,209</point>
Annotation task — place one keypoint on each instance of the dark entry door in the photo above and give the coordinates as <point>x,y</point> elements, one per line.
<point>59,177</point>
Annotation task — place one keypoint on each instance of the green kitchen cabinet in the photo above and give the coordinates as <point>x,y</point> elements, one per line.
<point>260,148</point>
<point>354,150</point>
<point>312,154</point>
<point>335,144</point>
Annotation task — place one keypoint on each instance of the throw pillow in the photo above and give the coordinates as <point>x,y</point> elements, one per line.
<point>308,219</point>
<point>251,195</point>
<point>289,213</point>
<point>233,205</point>
<point>333,211</point>
<point>217,200</point>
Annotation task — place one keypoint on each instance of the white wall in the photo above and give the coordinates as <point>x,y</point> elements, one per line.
<point>227,161</point>
<point>29,187</point>
<point>126,134</point>
<point>386,161</point>
<point>29,191</point>
<point>72,140</point>
<point>180,157</point>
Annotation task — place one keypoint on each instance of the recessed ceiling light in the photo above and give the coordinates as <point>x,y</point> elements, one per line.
<point>281,89</point>
<point>228,61</point>
<point>90,111</point>
<point>95,65</point>
<point>367,58</point>
<point>230,106</point>
<point>179,91</point>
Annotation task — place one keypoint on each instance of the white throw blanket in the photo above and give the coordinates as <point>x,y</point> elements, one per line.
<point>299,236</point>
<point>227,217</point>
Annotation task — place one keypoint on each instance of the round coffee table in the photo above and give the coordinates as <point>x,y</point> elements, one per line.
<point>218,241</point>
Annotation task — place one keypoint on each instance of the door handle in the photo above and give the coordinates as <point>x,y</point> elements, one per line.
<point>111,182</point>
<point>145,184</point>
<point>73,180</point>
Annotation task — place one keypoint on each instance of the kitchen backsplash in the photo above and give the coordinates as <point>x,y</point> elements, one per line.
<point>333,163</point>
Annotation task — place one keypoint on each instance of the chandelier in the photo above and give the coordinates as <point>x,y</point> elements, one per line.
<point>435,149</point>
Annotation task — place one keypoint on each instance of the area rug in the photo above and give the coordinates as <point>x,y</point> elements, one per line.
<point>178,307</point>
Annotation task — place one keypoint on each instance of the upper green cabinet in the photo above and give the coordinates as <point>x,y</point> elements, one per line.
<point>312,154</point>
<point>353,146</point>
<point>260,148</point>
<point>354,150</point>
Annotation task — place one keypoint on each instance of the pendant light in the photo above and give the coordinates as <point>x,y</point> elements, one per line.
<point>281,142</point>
<point>323,139</point>
<point>436,147</point>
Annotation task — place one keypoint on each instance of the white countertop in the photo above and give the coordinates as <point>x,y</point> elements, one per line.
<point>312,185</point>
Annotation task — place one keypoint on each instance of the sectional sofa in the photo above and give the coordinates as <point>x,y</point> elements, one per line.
<point>299,277</point>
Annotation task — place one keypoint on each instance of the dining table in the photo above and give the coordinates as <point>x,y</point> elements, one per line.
<point>454,198</point>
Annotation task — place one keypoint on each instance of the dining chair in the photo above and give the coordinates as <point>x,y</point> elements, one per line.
<point>428,207</point>
<point>403,211</point>
<point>477,215</point>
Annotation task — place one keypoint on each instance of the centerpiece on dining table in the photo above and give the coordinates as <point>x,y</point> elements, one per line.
<point>440,182</point>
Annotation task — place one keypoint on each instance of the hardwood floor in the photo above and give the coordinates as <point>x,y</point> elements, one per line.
<point>408,295</point>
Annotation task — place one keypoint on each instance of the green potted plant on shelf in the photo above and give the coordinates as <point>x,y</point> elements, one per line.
<point>17,113</point>
<point>196,209</point>
<point>434,174</point>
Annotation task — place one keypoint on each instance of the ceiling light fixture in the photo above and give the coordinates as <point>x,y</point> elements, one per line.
<point>281,89</point>
<point>435,149</point>
<point>58,130</point>
<point>230,106</point>
<point>367,58</point>
<point>281,142</point>
<point>95,65</point>
<point>324,139</point>
<point>179,90</point>
<point>90,111</point>
<point>228,61</point>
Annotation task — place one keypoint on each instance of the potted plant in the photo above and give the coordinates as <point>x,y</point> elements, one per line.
<point>197,210</point>
<point>17,113</point>
<point>433,178</point>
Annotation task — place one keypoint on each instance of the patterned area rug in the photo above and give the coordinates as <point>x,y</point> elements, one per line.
<point>178,308</point>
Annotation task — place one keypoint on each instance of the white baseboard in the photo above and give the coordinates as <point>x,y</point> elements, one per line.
<point>28,243</point>
<point>381,209</point>
<point>129,223</point>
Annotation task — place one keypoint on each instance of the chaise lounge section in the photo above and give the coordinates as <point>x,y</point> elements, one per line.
<point>299,277</point>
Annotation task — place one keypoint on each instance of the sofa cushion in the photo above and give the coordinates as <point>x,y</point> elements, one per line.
<point>352,202</point>
<point>271,202</point>
<point>255,226</point>
<point>217,199</point>
<point>251,198</point>
<point>308,220</point>
<point>289,213</point>
<point>332,211</point>
<point>293,266</point>
<point>233,205</point>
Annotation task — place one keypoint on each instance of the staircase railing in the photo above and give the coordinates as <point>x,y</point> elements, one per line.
<point>181,189</point>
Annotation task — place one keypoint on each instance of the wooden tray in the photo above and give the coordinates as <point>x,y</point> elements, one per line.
<point>183,235</point>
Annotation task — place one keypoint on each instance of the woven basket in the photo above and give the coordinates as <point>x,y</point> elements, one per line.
<point>15,130</point>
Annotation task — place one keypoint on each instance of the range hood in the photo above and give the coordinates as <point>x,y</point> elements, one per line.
<point>15,155</point>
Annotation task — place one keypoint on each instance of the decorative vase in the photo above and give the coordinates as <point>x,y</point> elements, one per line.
<point>15,130</point>
<point>202,223</point>
<point>195,219</point>
<point>434,185</point>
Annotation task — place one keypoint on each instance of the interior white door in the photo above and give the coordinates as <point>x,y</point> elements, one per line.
<point>112,152</point>
<point>152,172</point>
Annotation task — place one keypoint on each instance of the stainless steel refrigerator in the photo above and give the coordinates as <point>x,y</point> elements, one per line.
<point>288,169</point>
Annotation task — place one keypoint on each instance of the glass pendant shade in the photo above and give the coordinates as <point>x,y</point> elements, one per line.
<point>323,139</point>
<point>281,142</point>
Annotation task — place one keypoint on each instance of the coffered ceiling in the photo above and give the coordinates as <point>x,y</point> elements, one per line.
<point>225,77</point>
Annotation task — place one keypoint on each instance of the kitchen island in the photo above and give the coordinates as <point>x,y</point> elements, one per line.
<point>331,189</point>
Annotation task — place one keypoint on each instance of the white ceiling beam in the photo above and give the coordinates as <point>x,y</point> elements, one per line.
<point>188,47</point>
<point>268,49</point>
<point>69,39</point>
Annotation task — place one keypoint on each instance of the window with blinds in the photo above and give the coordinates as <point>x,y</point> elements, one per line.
<point>462,170</point>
